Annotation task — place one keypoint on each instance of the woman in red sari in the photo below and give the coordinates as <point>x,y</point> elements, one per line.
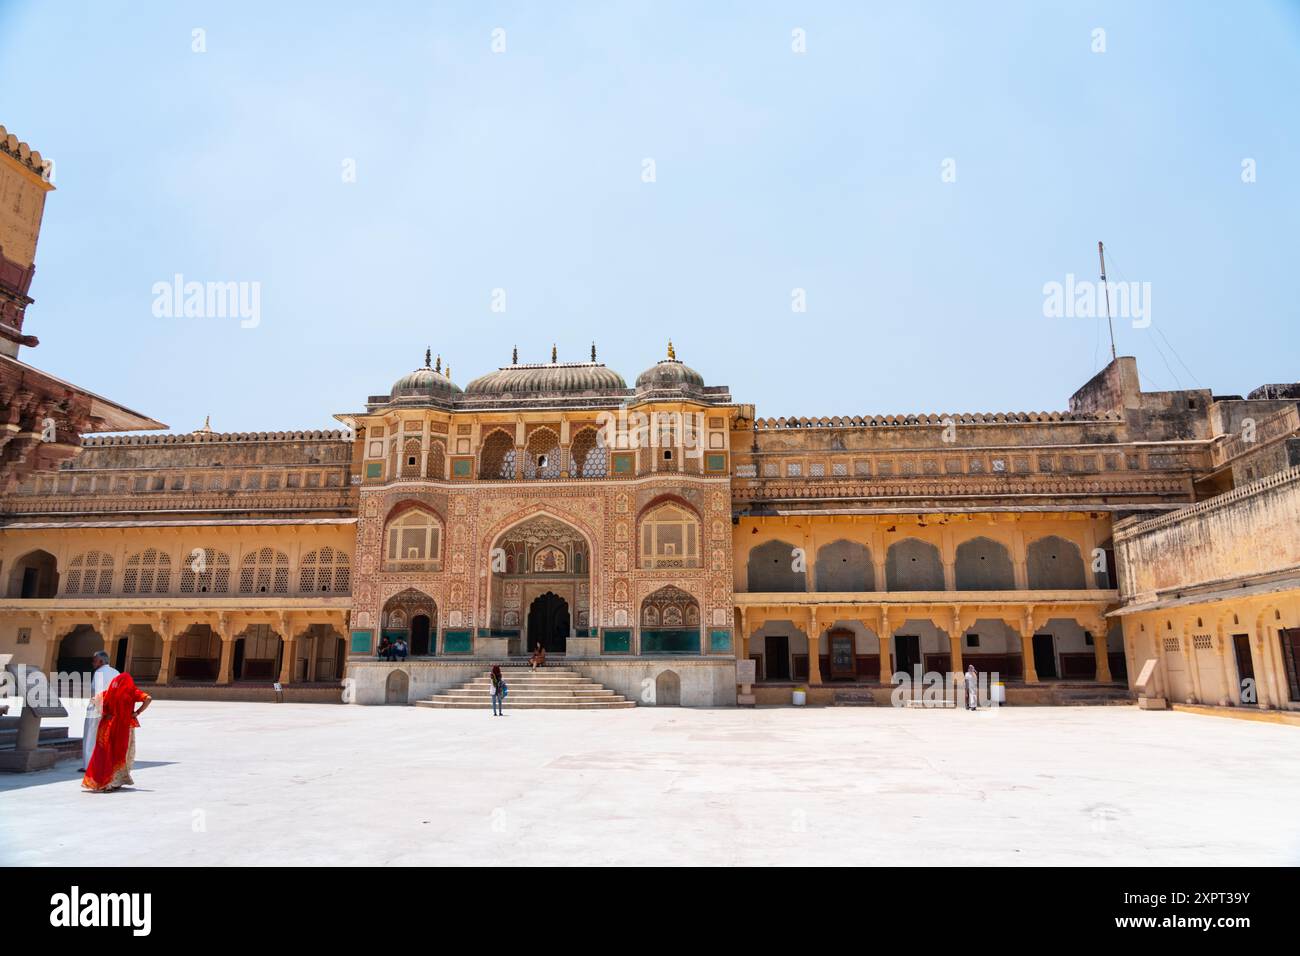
<point>110,765</point>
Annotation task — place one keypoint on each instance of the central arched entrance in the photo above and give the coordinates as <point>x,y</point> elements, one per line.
<point>548,623</point>
<point>540,585</point>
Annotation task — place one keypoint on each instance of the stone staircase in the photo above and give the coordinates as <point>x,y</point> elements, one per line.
<point>548,688</point>
<point>51,738</point>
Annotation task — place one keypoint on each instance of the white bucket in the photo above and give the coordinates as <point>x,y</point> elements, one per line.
<point>799,698</point>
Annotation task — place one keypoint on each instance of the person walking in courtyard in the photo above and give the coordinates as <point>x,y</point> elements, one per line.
<point>110,764</point>
<point>972,688</point>
<point>538,658</point>
<point>102,674</point>
<point>498,692</point>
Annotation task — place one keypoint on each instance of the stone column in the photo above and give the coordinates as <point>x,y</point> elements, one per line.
<point>1262,666</point>
<point>814,648</point>
<point>1027,647</point>
<point>1221,644</point>
<point>166,633</point>
<point>1100,647</point>
<point>226,632</point>
<point>742,645</point>
<point>1193,660</point>
<point>885,640</point>
<point>954,643</point>
<point>290,645</point>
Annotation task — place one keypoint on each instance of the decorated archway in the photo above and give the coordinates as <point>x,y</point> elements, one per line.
<point>412,616</point>
<point>540,589</point>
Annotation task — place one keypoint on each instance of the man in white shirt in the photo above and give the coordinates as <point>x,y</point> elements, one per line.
<point>103,676</point>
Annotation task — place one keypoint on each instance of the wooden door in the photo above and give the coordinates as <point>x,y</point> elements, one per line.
<point>1245,670</point>
<point>907,654</point>
<point>776,657</point>
<point>1045,656</point>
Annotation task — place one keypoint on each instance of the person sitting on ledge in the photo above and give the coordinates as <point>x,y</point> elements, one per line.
<point>399,649</point>
<point>385,651</point>
<point>538,658</point>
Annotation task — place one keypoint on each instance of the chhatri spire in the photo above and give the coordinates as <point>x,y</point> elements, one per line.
<point>672,354</point>
<point>553,355</point>
<point>427,353</point>
<point>514,355</point>
<point>438,367</point>
<point>593,352</point>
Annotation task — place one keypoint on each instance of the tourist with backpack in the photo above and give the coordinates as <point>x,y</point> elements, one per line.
<point>498,689</point>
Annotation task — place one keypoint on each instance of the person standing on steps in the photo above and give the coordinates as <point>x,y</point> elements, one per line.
<point>498,692</point>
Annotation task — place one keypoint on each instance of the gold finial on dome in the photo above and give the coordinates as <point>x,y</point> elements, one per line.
<point>672,354</point>
<point>449,371</point>
<point>553,355</point>
<point>427,354</point>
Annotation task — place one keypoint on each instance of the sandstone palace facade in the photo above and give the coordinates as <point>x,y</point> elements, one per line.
<point>655,536</point>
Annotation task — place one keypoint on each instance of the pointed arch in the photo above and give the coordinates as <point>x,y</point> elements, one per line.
<point>497,455</point>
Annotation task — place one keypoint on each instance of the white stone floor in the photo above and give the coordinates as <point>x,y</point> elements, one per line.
<point>268,784</point>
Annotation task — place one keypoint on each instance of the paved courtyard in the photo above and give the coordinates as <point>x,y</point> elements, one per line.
<point>323,785</point>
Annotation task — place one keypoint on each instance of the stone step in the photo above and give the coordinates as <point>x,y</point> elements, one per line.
<point>515,692</point>
<point>531,705</point>
<point>554,684</point>
<point>547,688</point>
<point>48,735</point>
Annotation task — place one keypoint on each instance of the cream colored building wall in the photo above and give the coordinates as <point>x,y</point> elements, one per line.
<point>47,620</point>
<point>1248,531</point>
<point>1195,656</point>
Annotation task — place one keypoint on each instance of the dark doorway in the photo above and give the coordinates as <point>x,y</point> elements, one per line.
<point>1245,670</point>
<point>1045,656</point>
<point>1289,637</point>
<point>420,636</point>
<point>907,655</point>
<point>548,623</point>
<point>776,657</point>
<point>31,580</point>
<point>237,660</point>
<point>120,657</point>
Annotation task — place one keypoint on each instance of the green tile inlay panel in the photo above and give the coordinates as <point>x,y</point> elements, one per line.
<point>460,468</point>
<point>662,641</point>
<point>458,642</point>
<point>719,642</point>
<point>715,462</point>
<point>616,642</point>
<point>374,469</point>
<point>361,641</point>
<point>624,463</point>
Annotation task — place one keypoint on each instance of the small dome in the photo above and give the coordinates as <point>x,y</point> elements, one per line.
<point>669,373</point>
<point>424,382</point>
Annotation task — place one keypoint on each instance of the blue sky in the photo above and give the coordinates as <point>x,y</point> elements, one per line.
<point>523,170</point>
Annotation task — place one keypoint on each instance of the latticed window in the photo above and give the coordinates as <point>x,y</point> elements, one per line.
<point>147,572</point>
<point>670,538</point>
<point>411,455</point>
<point>205,571</point>
<point>90,573</point>
<point>414,542</point>
<point>265,571</point>
<point>497,459</point>
<point>326,570</point>
<point>437,460</point>
<point>542,455</point>
<point>590,458</point>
